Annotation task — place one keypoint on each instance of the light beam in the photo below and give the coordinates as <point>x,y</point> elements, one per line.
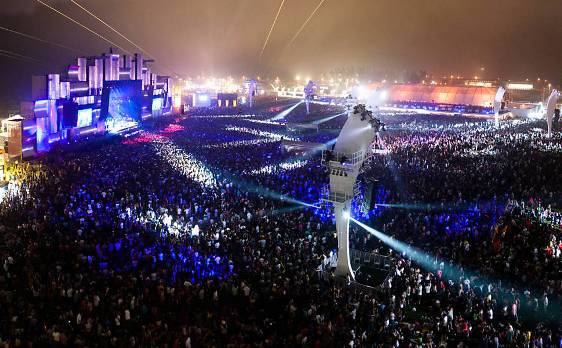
<point>271,29</point>
<point>41,40</point>
<point>305,23</point>
<point>110,27</point>
<point>285,113</point>
<point>82,26</point>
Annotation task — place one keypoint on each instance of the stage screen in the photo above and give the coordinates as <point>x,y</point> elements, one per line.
<point>157,104</point>
<point>84,118</point>
<point>121,103</point>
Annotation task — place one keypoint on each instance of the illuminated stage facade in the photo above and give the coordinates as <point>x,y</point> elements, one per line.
<point>107,93</point>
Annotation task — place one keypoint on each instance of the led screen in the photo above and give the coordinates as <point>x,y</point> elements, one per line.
<point>122,101</point>
<point>84,118</point>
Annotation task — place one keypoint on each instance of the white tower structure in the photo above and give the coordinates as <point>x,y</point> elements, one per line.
<point>550,106</point>
<point>252,84</point>
<point>309,91</point>
<point>353,146</point>
<point>497,105</point>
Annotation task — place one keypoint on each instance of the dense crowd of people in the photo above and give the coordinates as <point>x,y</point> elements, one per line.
<point>190,234</point>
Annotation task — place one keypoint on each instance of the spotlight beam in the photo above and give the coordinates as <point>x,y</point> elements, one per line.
<point>41,40</point>
<point>424,259</point>
<point>283,114</point>
<point>82,26</point>
<point>305,23</point>
<point>271,29</point>
<point>326,119</point>
<point>431,263</point>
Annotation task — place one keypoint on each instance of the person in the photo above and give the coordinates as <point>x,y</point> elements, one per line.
<point>182,235</point>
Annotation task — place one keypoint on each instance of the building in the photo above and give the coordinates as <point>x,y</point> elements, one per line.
<point>18,138</point>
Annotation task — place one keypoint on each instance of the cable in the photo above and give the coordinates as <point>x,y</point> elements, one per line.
<point>83,26</point>
<point>41,40</point>
<point>271,29</point>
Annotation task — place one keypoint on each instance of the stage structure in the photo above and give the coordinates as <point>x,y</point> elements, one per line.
<point>550,107</point>
<point>357,141</point>
<point>309,93</point>
<point>111,92</point>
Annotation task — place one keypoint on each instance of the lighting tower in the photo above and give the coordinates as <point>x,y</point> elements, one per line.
<point>356,142</point>
<point>497,105</point>
<point>550,106</point>
<point>252,84</point>
<point>309,92</point>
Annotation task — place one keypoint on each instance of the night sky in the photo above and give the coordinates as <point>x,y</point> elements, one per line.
<point>510,38</point>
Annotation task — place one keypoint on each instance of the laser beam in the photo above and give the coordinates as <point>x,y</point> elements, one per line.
<point>305,23</point>
<point>110,27</point>
<point>271,29</point>
<point>82,26</point>
<point>41,40</point>
<point>17,55</point>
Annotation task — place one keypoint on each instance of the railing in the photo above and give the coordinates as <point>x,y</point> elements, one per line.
<point>333,158</point>
<point>371,259</point>
<point>361,258</point>
<point>337,196</point>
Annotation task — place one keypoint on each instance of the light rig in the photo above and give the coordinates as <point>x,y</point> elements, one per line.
<point>358,140</point>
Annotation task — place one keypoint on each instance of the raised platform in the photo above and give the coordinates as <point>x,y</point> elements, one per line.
<point>302,127</point>
<point>302,146</point>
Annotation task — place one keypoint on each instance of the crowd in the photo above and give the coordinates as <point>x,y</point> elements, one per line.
<point>188,235</point>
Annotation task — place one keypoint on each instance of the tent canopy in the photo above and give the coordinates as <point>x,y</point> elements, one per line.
<point>454,95</point>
